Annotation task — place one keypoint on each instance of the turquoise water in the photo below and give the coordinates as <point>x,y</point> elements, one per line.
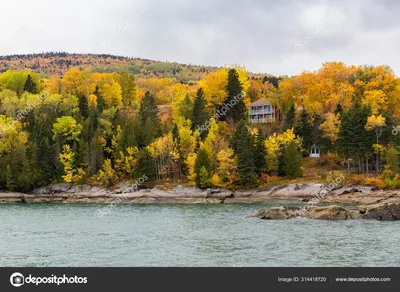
<point>187,235</point>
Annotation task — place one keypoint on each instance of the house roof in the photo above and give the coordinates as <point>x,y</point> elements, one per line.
<point>260,102</point>
<point>314,146</point>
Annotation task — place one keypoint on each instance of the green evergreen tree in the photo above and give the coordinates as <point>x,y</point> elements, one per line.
<point>202,162</point>
<point>290,117</point>
<point>234,101</point>
<point>150,122</point>
<point>259,153</point>
<point>9,179</point>
<point>292,161</point>
<point>130,134</point>
<point>83,106</point>
<point>199,115</point>
<point>145,165</point>
<point>353,140</point>
<point>30,85</point>
<point>304,129</point>
<point>242,143</point>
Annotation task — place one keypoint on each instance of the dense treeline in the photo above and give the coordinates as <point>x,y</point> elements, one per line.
<point>87,127</point>
<point>50,63</point>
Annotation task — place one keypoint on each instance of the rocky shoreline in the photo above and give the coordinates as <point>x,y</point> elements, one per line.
<point>129,194</point>
<point>381,212</point>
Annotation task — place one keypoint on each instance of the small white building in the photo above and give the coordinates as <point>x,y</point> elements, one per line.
<point>315,151</point>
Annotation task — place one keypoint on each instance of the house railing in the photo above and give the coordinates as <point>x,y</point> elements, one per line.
<point>262,120</point>
<point>260,112</point>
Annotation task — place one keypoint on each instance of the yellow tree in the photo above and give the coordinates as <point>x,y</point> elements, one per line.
<point>214,86</point>
<point>72,80</point>
<point>376,123</point>
<point>376,99</point>
<point>67,160</point>
<point>273,145</point>
<point>112,94</point>
<point>330,127</point>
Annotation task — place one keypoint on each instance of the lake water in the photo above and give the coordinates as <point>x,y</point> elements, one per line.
<point>187,235</point>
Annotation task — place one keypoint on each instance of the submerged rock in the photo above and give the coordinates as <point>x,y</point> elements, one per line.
<point>328,213</point>
<point>383,212</point>
<point>277,213</point>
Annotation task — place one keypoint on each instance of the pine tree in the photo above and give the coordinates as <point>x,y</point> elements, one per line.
<point>290,117</point>
<point>259,153</point>
<point>292,161</point>
<point>145,165</point>
<point>242,144</point>
<point>130,134</point>
<point>30,85</point>
<point>150,122</point>
<point>234,100</point>
<point>83,106</point>
<point>202,168</point>
<point>353,140</point>
<point>304,129</point>
<point>9,179</point>
<point>199,115</point>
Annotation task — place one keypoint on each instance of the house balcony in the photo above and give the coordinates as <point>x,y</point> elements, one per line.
<point>265,119</point>
<point>261,112</point>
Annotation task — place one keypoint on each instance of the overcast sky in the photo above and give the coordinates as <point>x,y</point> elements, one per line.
<point>259,34</point>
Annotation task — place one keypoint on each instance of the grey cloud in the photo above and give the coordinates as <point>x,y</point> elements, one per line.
<point>258,34</point>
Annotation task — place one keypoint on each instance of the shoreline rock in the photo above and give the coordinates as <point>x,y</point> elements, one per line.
<point>381,212</point>
<point>127,193</point>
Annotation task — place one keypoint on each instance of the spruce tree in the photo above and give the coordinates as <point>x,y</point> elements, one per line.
<point>30,85</point>
<point>202,168</point>
<point>304,129</point>
<point>259,153</point>
<point>292,161</point>
<point>145,165</point>
<point>199,115</point>
<point>83,106</point>
<point>150,125</point>
<point>353,140</point>
<point>290,117</point>
<point>234,100</point>
<point>242,143</point>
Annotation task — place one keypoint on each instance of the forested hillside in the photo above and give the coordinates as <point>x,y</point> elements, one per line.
<point>58,63</point>
<point>102,128</point>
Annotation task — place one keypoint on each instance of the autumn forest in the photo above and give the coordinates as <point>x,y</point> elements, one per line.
<point>89,126</point>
